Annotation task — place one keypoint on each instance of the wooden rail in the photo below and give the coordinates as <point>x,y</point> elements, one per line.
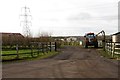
<point>35,47</point>
<point>113,48</point>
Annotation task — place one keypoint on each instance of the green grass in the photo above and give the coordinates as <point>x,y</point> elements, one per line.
<point>14,51</point>
<point>109,55</point>
<point>23,57</point>
<point>105,54</point>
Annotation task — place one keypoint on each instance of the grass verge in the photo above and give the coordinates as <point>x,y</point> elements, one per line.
<point>108,54</point>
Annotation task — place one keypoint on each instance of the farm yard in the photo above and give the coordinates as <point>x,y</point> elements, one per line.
<point>71,62</point>
<point>49,57</point>
<point>60,40</point>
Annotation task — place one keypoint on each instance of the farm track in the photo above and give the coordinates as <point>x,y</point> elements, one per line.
<point>72,62</point>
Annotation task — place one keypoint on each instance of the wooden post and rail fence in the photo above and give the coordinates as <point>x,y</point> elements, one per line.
<point>113,48</point>
<point>35,47</point>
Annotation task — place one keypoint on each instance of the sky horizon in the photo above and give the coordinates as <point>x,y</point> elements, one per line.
<point>61,17</point>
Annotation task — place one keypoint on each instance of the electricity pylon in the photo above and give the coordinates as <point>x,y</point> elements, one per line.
<point>26,22</point>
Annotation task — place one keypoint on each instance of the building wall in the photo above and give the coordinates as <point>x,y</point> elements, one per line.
<point>116,38</point>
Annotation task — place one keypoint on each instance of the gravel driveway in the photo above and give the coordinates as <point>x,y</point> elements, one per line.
<point>72,62</point>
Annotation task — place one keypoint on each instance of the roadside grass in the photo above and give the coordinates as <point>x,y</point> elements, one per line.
<point>45,55</point>
<point>26,57</point>
<point>108,54</point>
<point>105,54</point>
<point>20,51</point>
<point>12,54</point>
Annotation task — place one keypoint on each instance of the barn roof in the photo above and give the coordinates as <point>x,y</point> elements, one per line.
<point>116,33</point>
<point>11,34</point>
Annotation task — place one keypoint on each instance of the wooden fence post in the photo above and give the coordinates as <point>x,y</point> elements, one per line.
<point>31,51</point>
<point>50,47</point>
<point>103,43</point>
<point>38,48</point>
<point>111,47</point>
<point>42,48</point>
<point>113,50</point>
<point>55,46</point>
<point>17,51</point>
<point>47,47</point>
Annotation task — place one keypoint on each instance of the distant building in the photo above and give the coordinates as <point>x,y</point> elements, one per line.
<point>69,39</point>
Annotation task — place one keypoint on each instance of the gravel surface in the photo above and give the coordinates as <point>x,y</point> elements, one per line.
<point>72,62</point>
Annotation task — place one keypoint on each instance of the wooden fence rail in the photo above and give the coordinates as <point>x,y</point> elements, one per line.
<point>113,48</point>
<point>35,47</point>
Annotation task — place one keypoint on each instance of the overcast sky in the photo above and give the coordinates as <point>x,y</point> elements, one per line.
<point>61,17</point>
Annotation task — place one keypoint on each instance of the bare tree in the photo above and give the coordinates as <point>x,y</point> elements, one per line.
<point>44,36</point>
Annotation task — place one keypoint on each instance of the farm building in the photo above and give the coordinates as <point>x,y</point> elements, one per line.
<point>69,39</point>
<point>16,35</point>
<point>11,38</point>
<point>116,37</point>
